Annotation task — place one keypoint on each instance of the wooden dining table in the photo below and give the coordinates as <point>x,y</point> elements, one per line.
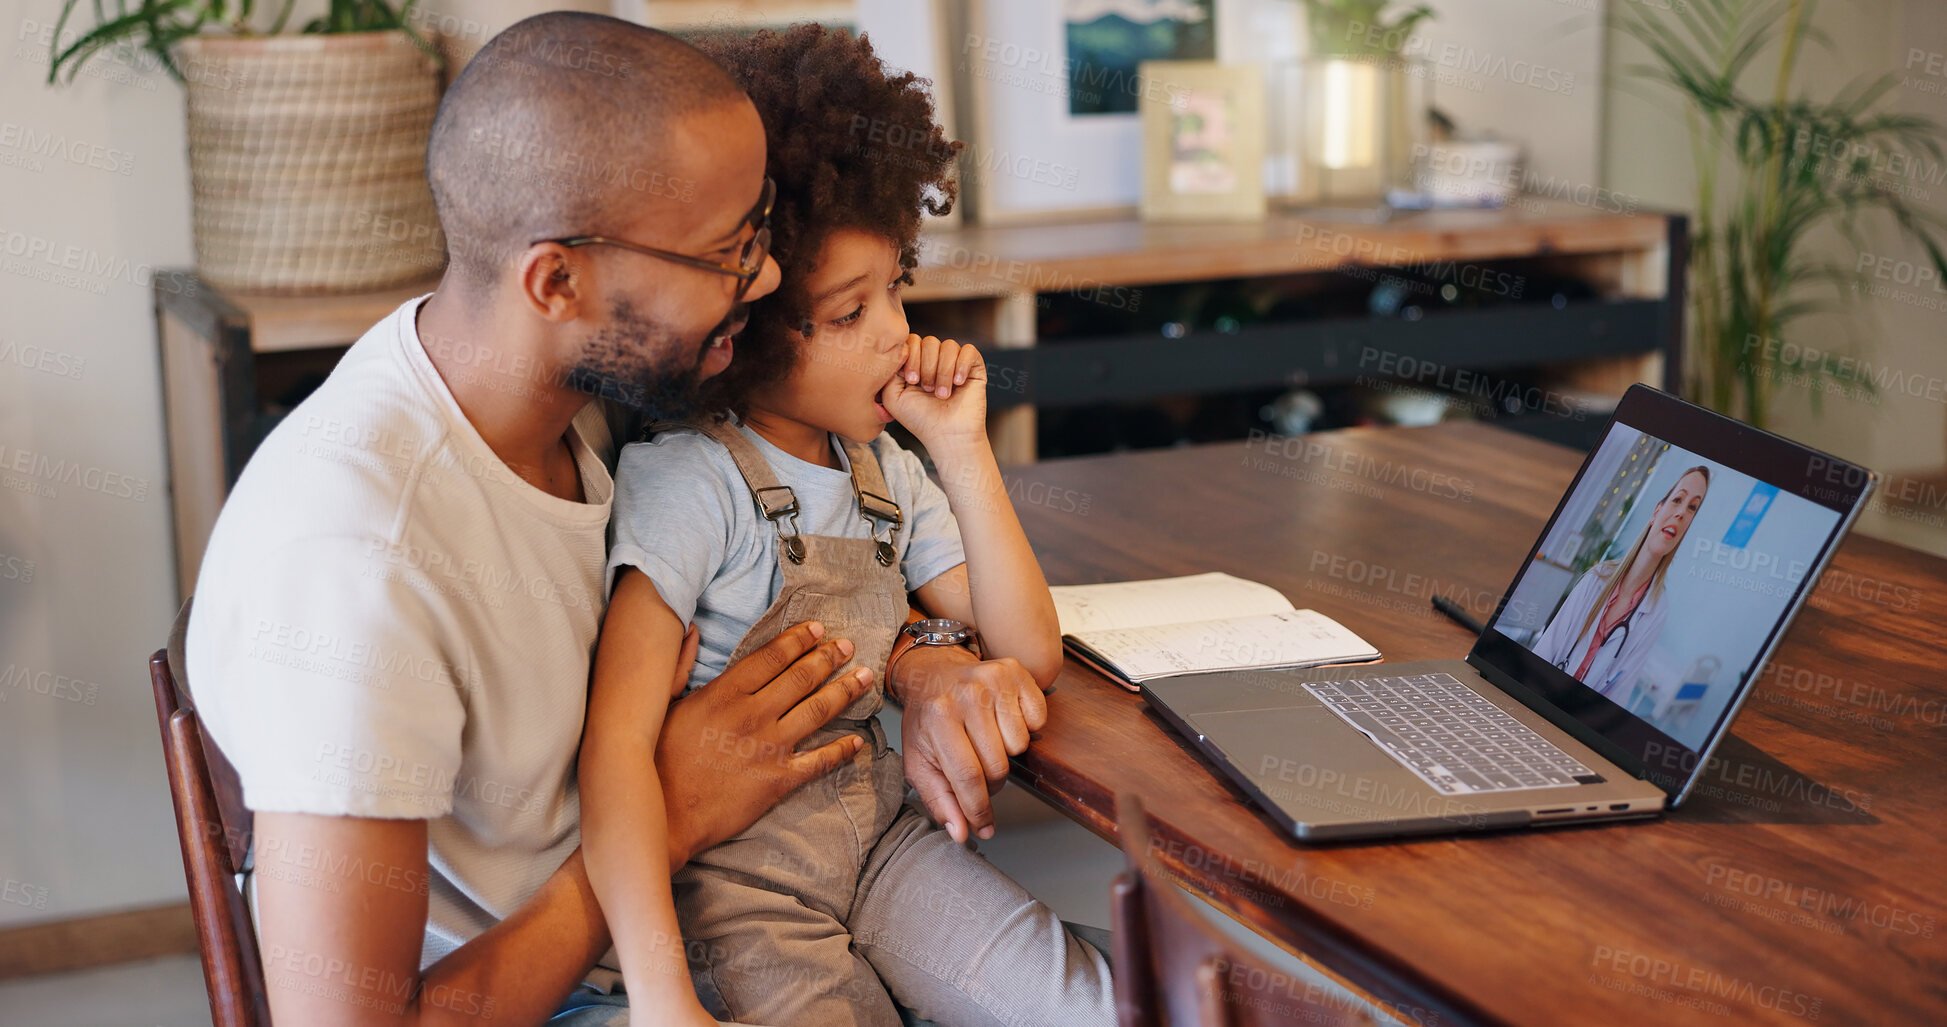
<point>1803,882</point>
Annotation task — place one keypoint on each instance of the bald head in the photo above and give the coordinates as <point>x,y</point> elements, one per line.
<point>562,125</point>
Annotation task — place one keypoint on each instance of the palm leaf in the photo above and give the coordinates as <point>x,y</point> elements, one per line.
<point>1771,175</point>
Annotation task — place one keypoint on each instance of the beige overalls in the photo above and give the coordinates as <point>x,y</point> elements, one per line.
<point>843,892</point>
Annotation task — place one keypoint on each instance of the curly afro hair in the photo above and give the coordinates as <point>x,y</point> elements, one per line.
<point>852,145</point>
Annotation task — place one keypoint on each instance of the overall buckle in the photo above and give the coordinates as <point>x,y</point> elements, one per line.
<point>775,510</point>
<point>875,508</point>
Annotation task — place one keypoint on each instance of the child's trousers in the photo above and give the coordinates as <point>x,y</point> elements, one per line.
<point>843,886</point>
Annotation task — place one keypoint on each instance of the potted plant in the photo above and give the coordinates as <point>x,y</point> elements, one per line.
<point>307,151</point>
<point>1353,110</point>
<point>1771,171</point>
<point>1360,28</point>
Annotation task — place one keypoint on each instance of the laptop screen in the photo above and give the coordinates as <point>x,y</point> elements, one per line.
<point>1653,595</point>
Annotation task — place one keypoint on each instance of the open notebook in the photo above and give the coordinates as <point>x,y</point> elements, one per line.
<point>1136,631</point>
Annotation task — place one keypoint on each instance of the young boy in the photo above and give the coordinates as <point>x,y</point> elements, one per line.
<point>799,507</point>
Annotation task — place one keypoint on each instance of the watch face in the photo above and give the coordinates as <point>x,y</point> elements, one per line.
<point>939,631</point>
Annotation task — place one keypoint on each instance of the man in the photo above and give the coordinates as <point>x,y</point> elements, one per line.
<point>396,615</point>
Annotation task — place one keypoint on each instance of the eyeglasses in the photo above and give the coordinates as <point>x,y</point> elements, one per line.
<point>750,262</point>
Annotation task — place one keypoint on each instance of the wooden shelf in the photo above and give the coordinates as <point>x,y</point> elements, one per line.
<point>973,262</point>
<point>281,323</point>
<point>989,263</point>
<point>983,284</point>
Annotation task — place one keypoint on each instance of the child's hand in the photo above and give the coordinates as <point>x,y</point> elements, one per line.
<point>940,392</point>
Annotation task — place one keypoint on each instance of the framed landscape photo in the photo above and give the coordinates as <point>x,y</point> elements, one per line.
<point>1203,141</point>
<point>1108,40</point>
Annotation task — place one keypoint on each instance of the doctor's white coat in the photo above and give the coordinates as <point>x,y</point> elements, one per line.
<point>1564,643</point>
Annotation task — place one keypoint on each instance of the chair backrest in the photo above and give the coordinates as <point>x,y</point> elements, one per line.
<point>214,827</point>
<point>1173,969</point>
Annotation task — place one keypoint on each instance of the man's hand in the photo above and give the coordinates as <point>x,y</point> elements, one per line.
<point>727,752</point>
<point>963,718</point>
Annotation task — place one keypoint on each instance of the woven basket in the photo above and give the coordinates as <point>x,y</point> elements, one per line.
<point>307,161</point>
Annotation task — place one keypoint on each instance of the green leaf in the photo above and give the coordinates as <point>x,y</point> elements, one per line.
<point>146,22</point>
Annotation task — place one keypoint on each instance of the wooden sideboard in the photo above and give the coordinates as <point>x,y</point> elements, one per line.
<point>233,363</point>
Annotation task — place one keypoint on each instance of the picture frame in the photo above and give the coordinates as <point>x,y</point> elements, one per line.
<point>1203,142</point>
<point>1030,155</point>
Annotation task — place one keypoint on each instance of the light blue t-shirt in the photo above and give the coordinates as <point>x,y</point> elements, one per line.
<point>684,517</point>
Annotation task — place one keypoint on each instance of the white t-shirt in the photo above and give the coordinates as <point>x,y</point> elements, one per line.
<point>390,623</point>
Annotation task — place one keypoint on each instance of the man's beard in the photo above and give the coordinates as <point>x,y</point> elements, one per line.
<point>619,363</point>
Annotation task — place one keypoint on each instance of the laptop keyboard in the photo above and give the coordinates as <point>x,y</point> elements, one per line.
<point>1450,736</point>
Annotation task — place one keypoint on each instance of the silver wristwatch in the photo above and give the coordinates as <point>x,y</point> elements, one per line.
<point>931,631</point>
<point>941,631</point>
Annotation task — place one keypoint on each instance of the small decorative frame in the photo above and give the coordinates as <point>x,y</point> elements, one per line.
<point>1203,141</point>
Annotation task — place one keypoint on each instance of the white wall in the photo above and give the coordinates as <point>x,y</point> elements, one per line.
<point>1527,70</point>
<point>94,192</point>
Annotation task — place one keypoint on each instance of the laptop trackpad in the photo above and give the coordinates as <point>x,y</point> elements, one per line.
<point>1297,745</point>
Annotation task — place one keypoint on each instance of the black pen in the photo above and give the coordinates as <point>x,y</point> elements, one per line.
<point>1458,615</point>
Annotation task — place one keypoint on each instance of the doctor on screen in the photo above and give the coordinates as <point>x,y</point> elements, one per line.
<point>1611,619</point>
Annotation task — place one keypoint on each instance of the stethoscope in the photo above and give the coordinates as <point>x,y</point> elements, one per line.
<point>1618,634</point>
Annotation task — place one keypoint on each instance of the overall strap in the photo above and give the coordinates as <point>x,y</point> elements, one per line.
<point>775,502</point>
<point>875,499</point>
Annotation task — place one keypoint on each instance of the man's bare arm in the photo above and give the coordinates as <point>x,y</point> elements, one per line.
<point>341,938</point>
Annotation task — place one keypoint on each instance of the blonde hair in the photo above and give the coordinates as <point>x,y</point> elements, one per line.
<point>1610,572</point>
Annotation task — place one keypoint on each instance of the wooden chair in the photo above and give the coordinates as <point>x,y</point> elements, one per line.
<point>1173,969</point>
<point>214,827</point>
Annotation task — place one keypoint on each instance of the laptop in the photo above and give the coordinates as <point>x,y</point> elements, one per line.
<point>1609,672</point>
